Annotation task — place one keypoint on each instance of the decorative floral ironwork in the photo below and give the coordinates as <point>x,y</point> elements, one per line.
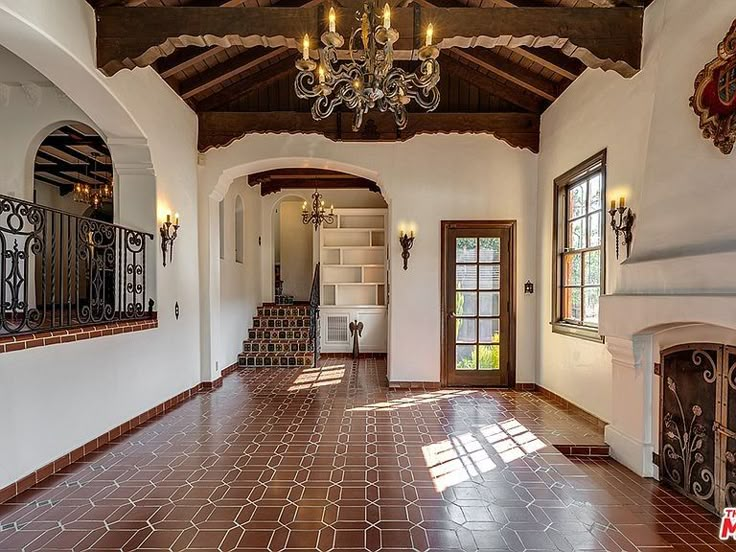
<point>59,270</point>
<point>684,447</point>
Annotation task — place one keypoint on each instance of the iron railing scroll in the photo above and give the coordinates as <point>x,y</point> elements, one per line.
<point>314,314</point>
<point>61,271</point>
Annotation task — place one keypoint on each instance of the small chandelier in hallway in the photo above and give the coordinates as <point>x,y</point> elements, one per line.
<point>368,79</point>
<point>318,214</point>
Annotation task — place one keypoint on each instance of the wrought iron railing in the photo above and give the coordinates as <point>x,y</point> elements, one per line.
<point>314,314</point>
<point>61,271</point>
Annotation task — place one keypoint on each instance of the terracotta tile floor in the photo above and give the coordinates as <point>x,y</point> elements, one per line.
<point>330,459</point>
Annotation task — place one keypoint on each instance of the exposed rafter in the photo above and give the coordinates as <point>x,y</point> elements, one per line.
<point>218,129</point>
<point>303,179</point>
<point>600,38</point>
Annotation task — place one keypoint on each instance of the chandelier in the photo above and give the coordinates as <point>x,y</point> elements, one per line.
<point>93,195</point>
<point>368,79</point>
<point>318,214</point>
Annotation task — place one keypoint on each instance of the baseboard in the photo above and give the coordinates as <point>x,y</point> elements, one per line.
<point>632,453</point>
<point>426,385</point>
<point>25,483</point>
<point>567,405</point>
<point>526,387</point>
<point>350,355</point>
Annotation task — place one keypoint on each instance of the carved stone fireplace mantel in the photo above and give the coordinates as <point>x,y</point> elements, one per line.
<point>637,328</point>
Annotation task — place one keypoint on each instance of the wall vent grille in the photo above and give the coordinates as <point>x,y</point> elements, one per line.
<point>337,328</point>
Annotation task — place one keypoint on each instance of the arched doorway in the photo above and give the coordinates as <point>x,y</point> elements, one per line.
<point>73,173</point>
<point>292,251</point>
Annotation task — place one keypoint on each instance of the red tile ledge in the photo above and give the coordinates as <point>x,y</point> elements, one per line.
<point>10,344</point>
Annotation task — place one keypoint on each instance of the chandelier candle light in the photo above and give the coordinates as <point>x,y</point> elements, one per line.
<point>318,215</point>
<point>368,80</point>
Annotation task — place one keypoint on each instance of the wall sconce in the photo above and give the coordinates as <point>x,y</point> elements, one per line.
<point>528,288</point>
<point>407,242</point>
<point>168,237</point>
<point>622,228</point>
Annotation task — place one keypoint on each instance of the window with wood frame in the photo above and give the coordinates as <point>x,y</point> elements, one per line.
<point>579,245</point>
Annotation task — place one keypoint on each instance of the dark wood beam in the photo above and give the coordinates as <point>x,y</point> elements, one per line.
<point>509,71</point>
<point>506,91</point>
<point>345,183</point>
<point>51,160</point>
<point>600,38</point>
<point>218,129</point>
<point>255,178</point>
<point>64,187</point>
<point>249,83</point>
<point>233,67</point>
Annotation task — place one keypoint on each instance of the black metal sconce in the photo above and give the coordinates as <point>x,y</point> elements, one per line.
<point>528,288</point>
<point>168,236</point>
<point>622,227</point>
<point>407,242</point>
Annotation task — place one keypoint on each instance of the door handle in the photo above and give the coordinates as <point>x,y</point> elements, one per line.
<point>450,315</point>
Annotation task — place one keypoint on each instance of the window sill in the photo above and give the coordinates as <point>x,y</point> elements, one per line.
<point>580,332</point>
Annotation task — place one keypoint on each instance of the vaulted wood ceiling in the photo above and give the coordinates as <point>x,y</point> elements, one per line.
<point>232,61</point>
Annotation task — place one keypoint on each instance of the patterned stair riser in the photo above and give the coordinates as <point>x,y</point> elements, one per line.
<point>257,347</point>
<point>274,360</point>
<point>269,334</point>
<point>283,312</point>
<point>259,322</point>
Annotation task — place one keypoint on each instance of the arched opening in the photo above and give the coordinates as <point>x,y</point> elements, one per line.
<point>292,252</point>
<point>72,172</point>
<point>239,230</point>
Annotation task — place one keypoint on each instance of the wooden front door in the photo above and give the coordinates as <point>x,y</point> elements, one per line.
<point>478,303</point>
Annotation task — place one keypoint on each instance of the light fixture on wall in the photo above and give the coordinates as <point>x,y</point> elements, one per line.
<point>621,227</point>
<point>318,214</point>
<point>528,288</point>
<point>407,242</point>
<point>367,80</point>
<point>169,233</point>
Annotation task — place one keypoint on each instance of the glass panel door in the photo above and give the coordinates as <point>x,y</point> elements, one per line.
<point>476,304</point>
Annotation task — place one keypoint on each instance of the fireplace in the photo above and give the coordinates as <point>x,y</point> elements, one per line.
<point>698,423</point>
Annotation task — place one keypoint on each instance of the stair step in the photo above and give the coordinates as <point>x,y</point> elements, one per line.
<point>276,360</point>
<point>283,346</point>
<point>278,333</point>
<point>280,311</point>
<point>295,322</point>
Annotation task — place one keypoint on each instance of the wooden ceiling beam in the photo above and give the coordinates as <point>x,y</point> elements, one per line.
<point>311,183</point>
<point>233,67</point>
<point>510,71</point>
<point>218,129</point>
<point>52,160</point>
<point>249,83</point>
<point>600,38</point>
<point>253,178</point>
<point>506,91</point>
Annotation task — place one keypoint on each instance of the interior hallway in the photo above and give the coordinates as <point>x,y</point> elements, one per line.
<point>331,459</point>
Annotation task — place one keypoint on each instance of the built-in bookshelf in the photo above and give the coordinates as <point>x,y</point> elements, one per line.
<point>353,279</point>
<point>353,259</point>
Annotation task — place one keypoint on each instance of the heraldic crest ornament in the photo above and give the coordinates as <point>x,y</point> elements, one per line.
<point>715,95</point>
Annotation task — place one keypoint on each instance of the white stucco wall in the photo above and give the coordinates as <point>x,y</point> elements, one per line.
<point>425,180</point>
<point>54,399</point>
<point>677,183</point>
<point>240,285</point>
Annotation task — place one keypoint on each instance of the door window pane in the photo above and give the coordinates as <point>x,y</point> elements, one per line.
<point>465,357</point>
<point>490,277</point>
<point>466,330</point>
<point>490,250</point>
<point>466,277</point>
<point>466,303</point>
<point>489,357</point>
<point>489,303</point>
<point>489,330</point>
<point>466,250</point>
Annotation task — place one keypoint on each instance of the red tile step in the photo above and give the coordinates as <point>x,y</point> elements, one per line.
<point>598,451</point>
<point>275,360</point>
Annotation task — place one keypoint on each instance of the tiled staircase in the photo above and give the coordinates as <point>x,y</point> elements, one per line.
<point>280,337</point>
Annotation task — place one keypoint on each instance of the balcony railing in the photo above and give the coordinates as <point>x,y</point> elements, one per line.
<point>61,271</point>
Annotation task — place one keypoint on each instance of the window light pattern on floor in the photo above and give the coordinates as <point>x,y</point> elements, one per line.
<point>405,402</point>
<point>309,378</point>
<point>463,457</point>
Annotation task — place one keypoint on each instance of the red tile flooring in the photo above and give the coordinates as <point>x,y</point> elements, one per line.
<point>330,459</point>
